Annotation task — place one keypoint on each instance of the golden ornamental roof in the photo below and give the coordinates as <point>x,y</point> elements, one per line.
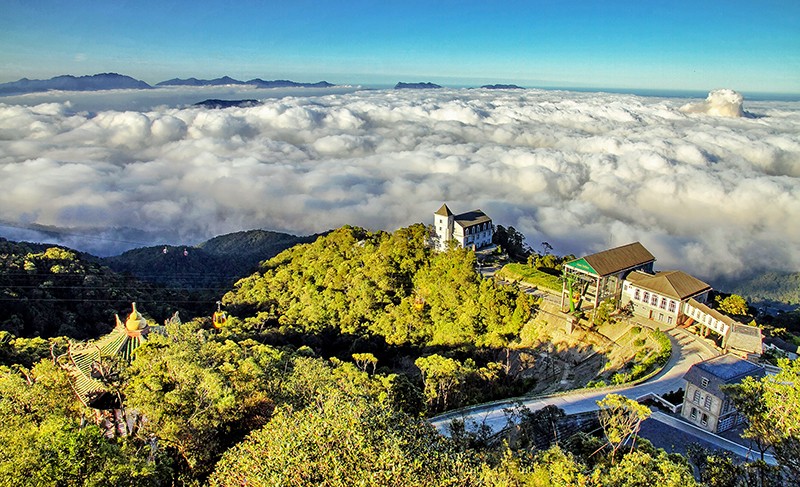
<point>84,359</point>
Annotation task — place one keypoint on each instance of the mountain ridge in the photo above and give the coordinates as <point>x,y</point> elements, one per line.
<point>116,81</point>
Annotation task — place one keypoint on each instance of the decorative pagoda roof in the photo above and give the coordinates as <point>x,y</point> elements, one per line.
<point>83,360</point>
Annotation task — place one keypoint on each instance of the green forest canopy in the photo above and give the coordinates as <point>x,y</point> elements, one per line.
<point>381,284</point>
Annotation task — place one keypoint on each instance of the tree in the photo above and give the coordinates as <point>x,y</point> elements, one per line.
<point>621,419</point>
<point>364,360</point>
<point>344,441</point>
<point>717,469</point>
<point>643,469</point>
<point>733,305</point>
<point>44,439</point>
<point>550,468</point>
<point>440,375</point>
<point>772,408</point>
<point>533,428</point>
<point>201,393</point>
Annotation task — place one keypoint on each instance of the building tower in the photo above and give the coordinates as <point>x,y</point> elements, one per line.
<point>443,220</point>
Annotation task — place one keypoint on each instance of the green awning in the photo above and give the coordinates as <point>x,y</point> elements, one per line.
<point>582,265</point>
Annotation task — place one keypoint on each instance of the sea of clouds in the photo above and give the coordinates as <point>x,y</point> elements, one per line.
<point>713,195</point>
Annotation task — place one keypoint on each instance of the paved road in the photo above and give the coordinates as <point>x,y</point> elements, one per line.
<point>686,351</point>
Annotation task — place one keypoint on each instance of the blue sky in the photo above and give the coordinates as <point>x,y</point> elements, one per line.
<point>692,45</point>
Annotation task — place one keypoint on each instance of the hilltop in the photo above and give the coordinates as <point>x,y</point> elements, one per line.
<point>212,265</point>
<point>48,290</point>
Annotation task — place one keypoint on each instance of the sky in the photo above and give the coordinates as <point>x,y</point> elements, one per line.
<point>750,46</point>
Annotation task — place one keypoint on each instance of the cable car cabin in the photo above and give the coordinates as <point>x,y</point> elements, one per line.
<point>219,318</point>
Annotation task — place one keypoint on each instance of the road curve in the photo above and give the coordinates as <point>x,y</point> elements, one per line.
<point>686,351</point>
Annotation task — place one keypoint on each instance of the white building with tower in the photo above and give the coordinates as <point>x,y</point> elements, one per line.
<point>472,229</point>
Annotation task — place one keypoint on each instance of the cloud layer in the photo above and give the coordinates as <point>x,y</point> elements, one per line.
<point>584,171</point>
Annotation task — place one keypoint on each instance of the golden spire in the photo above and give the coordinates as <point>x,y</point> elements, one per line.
<point>135,321</point>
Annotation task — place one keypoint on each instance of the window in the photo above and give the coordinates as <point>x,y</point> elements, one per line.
<point>707,403</point>
<point>694,414</point>
<point>671,306</point>
<point>704,419</point>
<point>669,320</point>
<point>636,294</point>
<point>663,303</point>
<point>697,396</point>
<point>646,297</point>
<point>704,382</point>
<point>654,300</point>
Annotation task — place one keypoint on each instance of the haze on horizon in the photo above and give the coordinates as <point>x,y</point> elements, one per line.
<point>744,45</point>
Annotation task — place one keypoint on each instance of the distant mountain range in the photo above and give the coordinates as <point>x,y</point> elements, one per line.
<point>114,81</point>
<point>415,86</point>
<point>214,103</point>
<point>214,264</point>
<point>103,81</point>
<point>502,87</point>
<point>260,83</point>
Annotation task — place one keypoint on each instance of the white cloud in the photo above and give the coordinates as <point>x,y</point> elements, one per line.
<point>721,103</point>
<point>584,171</point>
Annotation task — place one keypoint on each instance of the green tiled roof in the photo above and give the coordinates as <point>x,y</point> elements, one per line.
<point>121,343</point>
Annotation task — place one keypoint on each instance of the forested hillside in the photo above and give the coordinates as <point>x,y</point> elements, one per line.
<point>213,265</point>
<point>380,284</point>
<point>770,287</point>
<point>334,352</point>
<point>48,291</point>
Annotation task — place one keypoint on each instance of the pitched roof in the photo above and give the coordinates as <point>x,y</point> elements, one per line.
<point>615,260</point>
<point>722,370</point>
<point>471,218</point>
<point>444,211</point>
<point>674,284</point>
<point>745,338</point>
<point>712,312</point>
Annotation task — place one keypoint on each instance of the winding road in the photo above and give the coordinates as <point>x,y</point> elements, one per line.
<point>687,350</point>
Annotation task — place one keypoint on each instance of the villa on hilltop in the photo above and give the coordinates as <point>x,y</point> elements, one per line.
<point>472,229</point>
